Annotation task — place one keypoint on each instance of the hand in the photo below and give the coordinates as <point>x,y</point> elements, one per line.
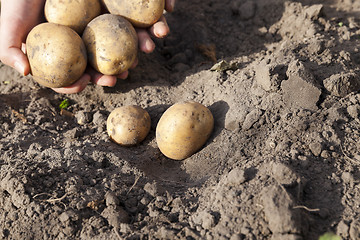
<point>95,77</point>
<point>160,29</point>
<point>17,21</point>
<point>17,18</point>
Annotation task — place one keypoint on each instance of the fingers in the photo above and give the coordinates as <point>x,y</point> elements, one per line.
<point>145,43</point>
<point>169,5</point>
<point>100,79</point>
<point>108,81</point>
<point>105,80</point>
<point>160,29</point>
<point>95,77</point>
<point>76,87</point>
<point>123,75</point>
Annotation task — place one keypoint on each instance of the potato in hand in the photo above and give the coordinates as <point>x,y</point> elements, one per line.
<point>111,44</point>
<point>139,12</point>
<point>74,14</point>
<point>57,55</point>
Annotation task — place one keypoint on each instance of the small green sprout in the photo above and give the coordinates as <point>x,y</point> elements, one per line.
<point>329,236</point>
<point>64,104</point>
<point>341,24</point>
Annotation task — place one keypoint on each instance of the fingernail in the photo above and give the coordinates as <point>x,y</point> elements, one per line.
<point>23,48</point>
<point>19,68</point>
<point>150,46</point>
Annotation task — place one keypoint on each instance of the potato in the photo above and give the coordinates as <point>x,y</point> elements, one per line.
<point>128,125</point>
<point>183,129</point>
<point>111,43</point>
<point>56,54</point>
<point>74,14</point>
<point>139,12</point>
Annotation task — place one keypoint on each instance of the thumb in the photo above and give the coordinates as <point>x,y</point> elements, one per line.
<point>16,58</point>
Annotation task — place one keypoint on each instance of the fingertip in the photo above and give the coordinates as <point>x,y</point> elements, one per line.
<point>22,66</point>
<point>23,48</point>
<point>19,67</point>
<point>149,46</point>
<point>123,75</point>
<point>160,29</point>
<point>15,58</point>
<point>145,43</point>
<point>76,87</point>
<point>105,80</point>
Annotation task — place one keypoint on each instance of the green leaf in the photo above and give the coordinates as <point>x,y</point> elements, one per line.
<point>329,236</point>
<point>64,104</point>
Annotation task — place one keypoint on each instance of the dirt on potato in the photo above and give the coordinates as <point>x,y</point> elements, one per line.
<point>282,162</point>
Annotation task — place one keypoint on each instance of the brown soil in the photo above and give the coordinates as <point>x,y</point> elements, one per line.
<point>282,162</point>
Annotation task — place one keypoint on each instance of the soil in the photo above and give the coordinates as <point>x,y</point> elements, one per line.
<point>282,162</point>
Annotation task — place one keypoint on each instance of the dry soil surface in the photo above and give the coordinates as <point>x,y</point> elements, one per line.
<point>282,162</point>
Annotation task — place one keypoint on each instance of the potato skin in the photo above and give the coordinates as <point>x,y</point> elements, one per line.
<point>141,13</point>
<point>74,14</point>
<point>111,42</point>
<point>56,54</point>
<point>183,129</point>
<point>128,125</point>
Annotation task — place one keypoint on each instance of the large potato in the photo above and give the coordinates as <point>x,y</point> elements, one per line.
<point>56,54</point>
<point>74,14</point>
<point>128,125</point>
<point>183,129</point>
<point>139,12</point>
<point>111,43</point>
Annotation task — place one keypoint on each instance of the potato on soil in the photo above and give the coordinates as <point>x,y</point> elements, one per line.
<point>128,125</point>
<point>183,129</point>
<point>57,55</point>
<point>74,14</point>
<point>111,43</point>
<point>139,12</point>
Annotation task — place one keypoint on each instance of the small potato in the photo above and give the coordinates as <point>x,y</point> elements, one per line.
<point>111,43</point>
<point>183,129</point>
<point>74,14</point>
<point>128,125</point>
<point>56,54</point>
<point>139,12</point>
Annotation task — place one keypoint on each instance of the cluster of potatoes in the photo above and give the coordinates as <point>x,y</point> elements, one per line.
<point>77,34</point>
<point>181,131</point>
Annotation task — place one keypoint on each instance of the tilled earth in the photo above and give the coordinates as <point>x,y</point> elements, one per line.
<point>282,162</point>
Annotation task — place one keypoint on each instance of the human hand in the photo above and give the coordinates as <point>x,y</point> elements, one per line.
<point>16,22</point>
<point>17,18</point>
<point>160,29</point>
